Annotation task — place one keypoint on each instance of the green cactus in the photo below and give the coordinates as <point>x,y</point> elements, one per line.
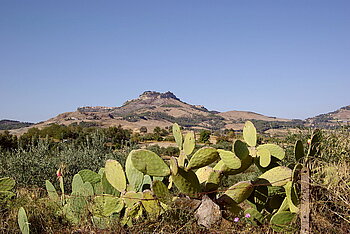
<point>254,214</point>
<point>277,176</point>
<point>315,143</point>
<point>161,192</point>
<point>93,178</point>
<point>147,181</point>
<point>187,182</point>
<point>275,150</point>
<point>106,186</point>
<point>151,204</point>
<point>23,221</point>
<point>189,143</point>
<point>202,158</point>
<point>213,180</point>
<point>292,197</point>
<point>89,176</point>
<point>77,183</point>
<point>149,163</point>
<point>177,135</point>
<point>240,149</point>
<point>240,191</point>
<point>281,221</point>
<point>230,159</point>
<point>299,151</point>
<point>182,159</point>
<point>7,184</point>
<point>264,157</point>
<point>203,174</point>
<point>249,133</point>
<point>106,205</point>
<point>130,198</point>
<point>115,175</point>
<point>135,177</point>
<point>52,193</point>
<point>173,166</point>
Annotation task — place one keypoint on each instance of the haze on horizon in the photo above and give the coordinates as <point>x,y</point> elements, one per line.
<point>289,59</point>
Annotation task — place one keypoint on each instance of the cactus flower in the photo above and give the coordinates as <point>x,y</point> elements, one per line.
<point>247,215</point>
<point>309,141</point>
<point>59,173</point>
<point>236,219</point>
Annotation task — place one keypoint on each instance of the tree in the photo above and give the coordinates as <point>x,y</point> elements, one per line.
<point>204,136</point>
<point>143,129</point>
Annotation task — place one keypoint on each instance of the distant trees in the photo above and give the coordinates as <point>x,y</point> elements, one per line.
<point>204,136</point>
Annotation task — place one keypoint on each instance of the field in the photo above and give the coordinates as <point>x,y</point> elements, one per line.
<point>90,180</point>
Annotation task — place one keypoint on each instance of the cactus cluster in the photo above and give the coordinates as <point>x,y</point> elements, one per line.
<point>144,188</point>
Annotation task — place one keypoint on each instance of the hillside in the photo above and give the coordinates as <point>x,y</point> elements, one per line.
<point>6,124</point>
<point>331,119</point>
<point>153,109</point>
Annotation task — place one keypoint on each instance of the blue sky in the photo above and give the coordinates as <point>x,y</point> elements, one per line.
<point>280,58</point>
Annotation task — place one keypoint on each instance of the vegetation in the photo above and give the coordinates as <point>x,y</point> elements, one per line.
<point>105,182</point>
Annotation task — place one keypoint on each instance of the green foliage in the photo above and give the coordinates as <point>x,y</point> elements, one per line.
<point>204,136</point>
<point>23,221</point>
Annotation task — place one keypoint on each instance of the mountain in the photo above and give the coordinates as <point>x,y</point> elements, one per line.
<point>331,119</point>
<point>6,124</point>
<point>153,109</point>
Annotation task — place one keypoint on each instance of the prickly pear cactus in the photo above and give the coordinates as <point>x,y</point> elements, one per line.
<point>202,158</point>
<point>249,133</point>
<point>277,176</point>
<point>187,182</point>
<point>23,221</point>
<point>189,143</point>
<point>52,193</point>
<point>115,175</point>
<point>135,177</point>
<point>177,135</point>
<point>149,163</point>
<point>7,184</point>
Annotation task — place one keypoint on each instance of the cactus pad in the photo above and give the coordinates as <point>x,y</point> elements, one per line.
<point>240,149</point>
<point>281,221</point>
<point>240,191</point>
<point>177,135</point>
<point>90,176</point>
<point>264,157</point>
<point>52,193</point>
<point>105,205</point>
<point>173,166</point>
<point>299,150</point>
<point>249,133</point>
<point>189,143</point>
<point>230,159</point>
<point>6,184</point>
<point>203,157</point>
<point>149,163</point>
<point>135,177</point>
<point>151,204</point>
<point>292,197</point>
<point>161,192</point>
<point>130,198</point>
<point>115,175</point>
<point>23,221</point>
<point>275,150</point>
<point>203,174</point>
<point>277,176</point>
<point>187,182</point>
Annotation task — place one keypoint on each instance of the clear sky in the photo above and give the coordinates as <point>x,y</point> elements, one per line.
<point>279,58</point>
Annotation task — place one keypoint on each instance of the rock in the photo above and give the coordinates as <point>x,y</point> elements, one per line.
<point>208,213</point>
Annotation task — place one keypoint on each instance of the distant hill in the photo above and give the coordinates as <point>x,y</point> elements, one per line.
<point>152,109</point>
<point>331,119</point>
<point>6,124</point>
